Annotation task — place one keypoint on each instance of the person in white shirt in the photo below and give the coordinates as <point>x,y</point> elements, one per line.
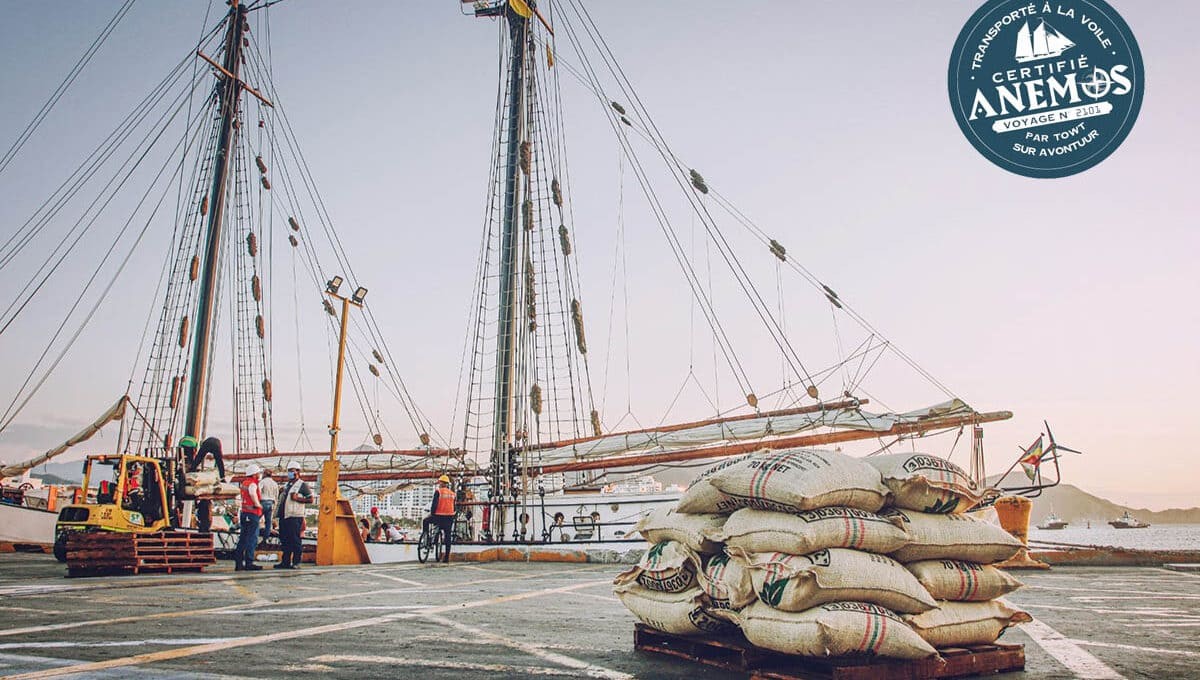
<point>268,491</point>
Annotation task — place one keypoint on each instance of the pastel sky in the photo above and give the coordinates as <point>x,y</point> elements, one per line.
<point>1069,300</point>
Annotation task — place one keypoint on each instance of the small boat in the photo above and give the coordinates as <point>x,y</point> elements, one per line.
<point>1052,521</point>
<point>1127,521</point>
<point>28,512</point>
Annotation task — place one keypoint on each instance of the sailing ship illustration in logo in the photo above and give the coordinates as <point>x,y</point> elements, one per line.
<point>1043,42</point>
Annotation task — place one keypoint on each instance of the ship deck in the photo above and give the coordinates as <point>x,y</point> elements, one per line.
<point>467,620</point>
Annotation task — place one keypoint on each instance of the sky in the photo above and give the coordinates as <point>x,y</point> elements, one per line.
<point>1068,300</point>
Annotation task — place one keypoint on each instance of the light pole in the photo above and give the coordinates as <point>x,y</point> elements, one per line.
<point>338,538</point>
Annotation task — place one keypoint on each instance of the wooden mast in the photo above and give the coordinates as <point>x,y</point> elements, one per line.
<point>675,427</point>
<point>231,89</point>
<point>506,337</point>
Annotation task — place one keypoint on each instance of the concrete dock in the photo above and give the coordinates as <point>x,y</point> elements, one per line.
<point>494,620</point>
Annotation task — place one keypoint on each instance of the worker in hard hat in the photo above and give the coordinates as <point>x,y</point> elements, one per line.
<point>441,512</point>
<point>195,453</point>
<point>296,495</point>
<point>249,520</point>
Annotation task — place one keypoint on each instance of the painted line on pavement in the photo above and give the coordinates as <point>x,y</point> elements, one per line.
<point>394,578</point>
<point>170,654</point>
<point>1173,572</point>
<point>1118,592</point>
<point>562,647</point>
<point>366,607</point>
<point>1176,614</point>
<point>61,644</point>
<point>1135,648</point>
<point>1066,652</point>
<point>507,670</point>
<point>605,598</point>
<point>67,625</point>
<point>577,665</point>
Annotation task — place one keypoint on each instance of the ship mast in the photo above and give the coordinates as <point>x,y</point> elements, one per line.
<point>230,95</point>
<point>502,427</point>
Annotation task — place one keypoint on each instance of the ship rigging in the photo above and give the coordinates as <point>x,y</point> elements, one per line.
<point>532,409</point>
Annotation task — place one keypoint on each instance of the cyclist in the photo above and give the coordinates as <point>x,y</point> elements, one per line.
<point>441,512</point>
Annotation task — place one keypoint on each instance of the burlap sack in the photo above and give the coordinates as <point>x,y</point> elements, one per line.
<point>833,629</point>
<point>795,480</point>
<point>927,483</point>
<point>666,524</point>
<point>727,585</point>
<point>797,582</point>
<point>962,581</point>
<point>952,537</point>
<point>956,624</point>
<point>702,497</point>
<point>679,613</point>
<point>809,531</point>
<point>667,567</point>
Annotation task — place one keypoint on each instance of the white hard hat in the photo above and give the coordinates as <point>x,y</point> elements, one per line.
<point>253,469</point>
<point>293,465</point>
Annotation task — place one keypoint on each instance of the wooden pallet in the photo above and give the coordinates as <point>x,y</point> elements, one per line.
<point>107,553</point>
<point>734,653</point>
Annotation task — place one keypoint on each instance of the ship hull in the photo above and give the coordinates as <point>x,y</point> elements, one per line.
<point>22,526</point>
<point>576,537</point>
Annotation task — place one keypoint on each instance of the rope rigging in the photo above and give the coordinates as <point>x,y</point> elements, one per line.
<point>62,88</point>
<point>695,185</point>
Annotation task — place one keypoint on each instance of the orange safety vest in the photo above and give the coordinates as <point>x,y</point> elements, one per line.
<point>247,501</point>
<point>445,502</point>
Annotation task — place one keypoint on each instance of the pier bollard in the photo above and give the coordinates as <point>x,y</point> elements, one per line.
<point>1013,512</point>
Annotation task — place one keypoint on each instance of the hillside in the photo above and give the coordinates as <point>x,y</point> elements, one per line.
<point>1074,504</point>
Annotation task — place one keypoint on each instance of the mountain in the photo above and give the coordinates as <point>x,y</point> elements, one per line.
<point>60,473</point>
<point>1076,505</point>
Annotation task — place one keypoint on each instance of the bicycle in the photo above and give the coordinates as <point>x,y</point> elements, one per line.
<point>431,542</point>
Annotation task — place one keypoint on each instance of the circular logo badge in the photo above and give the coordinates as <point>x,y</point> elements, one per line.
<point>1046,89</point>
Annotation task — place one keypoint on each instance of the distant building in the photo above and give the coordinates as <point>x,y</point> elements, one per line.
<point>412,503</point>
<point>366,500</point>
<point>636,485</point>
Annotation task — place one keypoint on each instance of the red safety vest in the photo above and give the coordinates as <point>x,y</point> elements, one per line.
<point>247,501</point>
<point>445,502</point>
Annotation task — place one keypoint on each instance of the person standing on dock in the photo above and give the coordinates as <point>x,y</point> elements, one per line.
<point>375,533</point>
<point>441,512</point>
<point>249,521</point>
<point>296,495</point>
<point>268,491</point>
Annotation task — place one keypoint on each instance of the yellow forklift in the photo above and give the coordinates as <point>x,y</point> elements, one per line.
<point>122,493</point>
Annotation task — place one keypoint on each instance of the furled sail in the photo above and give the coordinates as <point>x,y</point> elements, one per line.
<point>116,412</point>
<point>847,418</point>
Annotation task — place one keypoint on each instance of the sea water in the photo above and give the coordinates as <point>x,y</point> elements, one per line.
<point>1154,537</point>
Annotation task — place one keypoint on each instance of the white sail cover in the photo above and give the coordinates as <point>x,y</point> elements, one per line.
<point>117,412</point>
<point>353,461</point>
<point>750,429</point>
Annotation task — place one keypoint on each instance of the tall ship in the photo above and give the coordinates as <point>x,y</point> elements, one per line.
<point>1043,42</point>
<point>544,446</point>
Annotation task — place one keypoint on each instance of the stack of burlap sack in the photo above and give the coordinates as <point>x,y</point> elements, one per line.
<point>817,553</point>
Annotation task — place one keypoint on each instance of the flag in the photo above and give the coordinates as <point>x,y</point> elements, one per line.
<point>1032,458</point>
